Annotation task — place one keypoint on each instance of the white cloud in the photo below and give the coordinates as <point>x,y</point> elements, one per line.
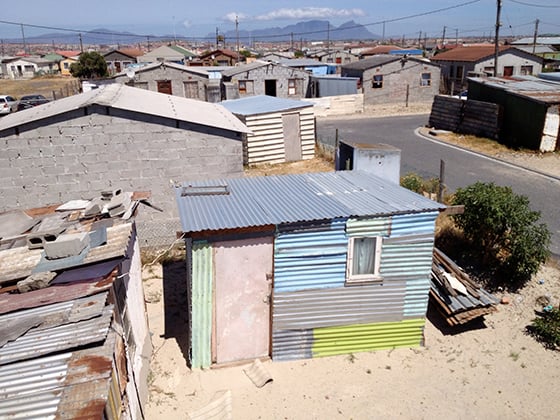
<point>311,13</point>
<point>230,17</point>
<point>187,23</point>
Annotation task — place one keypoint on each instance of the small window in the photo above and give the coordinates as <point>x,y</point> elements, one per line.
<point>426,79</point>
<point>526,70</point>
<point>242,84</point>
<point>459,73</point>
<point>364,260</point>
<point>292,87</point>
<point>377,82</point>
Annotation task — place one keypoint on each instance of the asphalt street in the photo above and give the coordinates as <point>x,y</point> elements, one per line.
<point>422,156</point>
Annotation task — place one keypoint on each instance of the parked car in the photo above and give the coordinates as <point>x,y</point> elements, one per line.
<point>29,101</point>
<point>8,104</point>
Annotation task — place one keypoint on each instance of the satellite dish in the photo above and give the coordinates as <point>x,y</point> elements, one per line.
<point>130,73</point>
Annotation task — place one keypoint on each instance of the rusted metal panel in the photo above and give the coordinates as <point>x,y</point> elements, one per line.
<point>201,304</point>
<point>310,256</point>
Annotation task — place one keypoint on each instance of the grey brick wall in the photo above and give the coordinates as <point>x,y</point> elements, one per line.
<point>78,156</point>
<point>279,73</point>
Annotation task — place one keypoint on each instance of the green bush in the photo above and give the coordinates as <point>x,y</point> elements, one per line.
<point>546,328</point>
<point>500,225</point>
<point>413,182</point>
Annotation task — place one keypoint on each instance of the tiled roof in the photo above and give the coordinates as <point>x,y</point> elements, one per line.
<point>380,49</point>
<point>469,53</point>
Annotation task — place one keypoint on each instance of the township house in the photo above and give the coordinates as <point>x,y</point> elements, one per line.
<point>459,63</point>
<point>74,336</point>
<point>119,60</point>
<point>170,78</point>
<point>265,78</point>
<point>117,137</point>
<point>301,266</point>
<point>395,79</point>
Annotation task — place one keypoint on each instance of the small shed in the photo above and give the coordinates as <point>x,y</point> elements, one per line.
<point>283,130</point>
<point>304,265</point>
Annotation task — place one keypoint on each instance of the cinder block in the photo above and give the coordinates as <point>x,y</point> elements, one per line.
<point>36,281</point>
<point>67,245</point>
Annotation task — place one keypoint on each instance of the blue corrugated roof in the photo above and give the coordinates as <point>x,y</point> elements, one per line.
<point>271,200</point>
<point>262,104</point>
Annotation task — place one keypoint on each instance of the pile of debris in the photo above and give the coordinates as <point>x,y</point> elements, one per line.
<point>456,295</point>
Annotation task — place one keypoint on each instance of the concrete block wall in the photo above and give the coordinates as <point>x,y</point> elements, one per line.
<point>279,73</point>
<point>78,156</point>
<point>396,77</point>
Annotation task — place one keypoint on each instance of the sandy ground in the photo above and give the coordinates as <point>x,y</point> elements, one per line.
<point>490,370</point>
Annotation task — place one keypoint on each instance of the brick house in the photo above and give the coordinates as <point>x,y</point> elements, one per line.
<point>118,60</point>
<point>393,79</point>
<point>265,78</point>
<point>117,137</point>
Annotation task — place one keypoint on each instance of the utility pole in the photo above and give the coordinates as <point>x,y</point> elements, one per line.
<point>148,37</point>
<point>497,37</point>
<point>23,39</point>
<point>420,39</point>
<point>217,38</point>
<point>2,47</point>
<point>443,37</point>
<point>328,36</point>
<point>237,36</point>
<point>291,41</point>
<point>81,44</point>
<point>535,35</point>
<point>456,36</point>
<point>383,39</point>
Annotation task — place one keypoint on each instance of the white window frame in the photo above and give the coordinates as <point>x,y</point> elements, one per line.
<point>426,82</point>
<point>292,86</point>
<point>374,277</point>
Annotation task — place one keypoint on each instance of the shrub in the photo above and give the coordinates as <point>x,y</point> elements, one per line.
<point>413,182</point>
<point>546,328</point>
<point>500,225</point>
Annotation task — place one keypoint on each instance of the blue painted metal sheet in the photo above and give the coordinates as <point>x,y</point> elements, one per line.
<point>310,257</point>
<point>262,104</point>
<point>368,227</point>
<point>201,304</point>
<point>413,224</point>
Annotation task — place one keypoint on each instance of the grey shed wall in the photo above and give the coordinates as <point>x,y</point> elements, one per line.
<point>73,155</point>
<point>183,84</point>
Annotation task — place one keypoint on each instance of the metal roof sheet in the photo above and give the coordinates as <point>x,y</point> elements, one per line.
<point>132,99</point>
<point>262,104</point>
<point>150,66</point>
<point>232,71</point>
<point>472,53</point>
<point>374,61</point>
<point>270,200</point>
<point>546,91</point>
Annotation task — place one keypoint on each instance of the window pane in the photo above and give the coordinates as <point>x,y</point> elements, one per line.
<point>364,256</point>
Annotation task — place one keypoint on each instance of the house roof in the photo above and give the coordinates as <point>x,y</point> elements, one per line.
<point>68,53</point>
<point>151,66</point>
<point>380,60</point>
<point>471,54</point>
<point>132,99</point>
<point>547,40</point>
<point>537,89</point>
<point>56,344</point>
<point>232,71</point>
<point>182,50</point>
<point>129,52</point>
<point>262,104</point>
<point>272,200</point>
<point>380,49</point>
<point>302,62</point>
<point>228,53</point>
<point>164,52</point>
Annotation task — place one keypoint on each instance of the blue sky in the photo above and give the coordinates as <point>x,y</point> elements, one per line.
<point>197,19</point>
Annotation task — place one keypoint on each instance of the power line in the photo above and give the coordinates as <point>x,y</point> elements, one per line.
<point>398,19</point>
<point>546,6</point>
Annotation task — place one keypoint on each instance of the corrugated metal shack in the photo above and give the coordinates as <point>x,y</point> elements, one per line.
<point>301,266</point>
<point>531,109</point>
<point>283,130</point>
<point>74,337</point>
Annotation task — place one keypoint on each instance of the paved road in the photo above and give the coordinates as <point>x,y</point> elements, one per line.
<point>422,156</point>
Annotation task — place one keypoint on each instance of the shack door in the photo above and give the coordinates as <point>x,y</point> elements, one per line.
<point>242,305</point>
<point>292,137</point>
<point>164,86</point>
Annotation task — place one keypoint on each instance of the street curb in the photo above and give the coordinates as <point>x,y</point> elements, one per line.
<point>515,165</point>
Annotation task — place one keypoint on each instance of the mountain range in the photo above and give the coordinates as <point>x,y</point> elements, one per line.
<point>313,30</point>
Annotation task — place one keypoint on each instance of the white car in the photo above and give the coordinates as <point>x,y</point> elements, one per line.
<point>8,104</point>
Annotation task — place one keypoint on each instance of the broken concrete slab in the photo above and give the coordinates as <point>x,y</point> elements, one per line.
<point>36,281</point>
<point>15,223</point>
<point>67,245</point>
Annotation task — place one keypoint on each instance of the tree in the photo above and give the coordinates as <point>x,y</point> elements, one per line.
<point>90,65</point>
<point>501,225</point>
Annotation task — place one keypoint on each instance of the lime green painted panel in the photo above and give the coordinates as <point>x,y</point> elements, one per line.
<point>201,303</point>
<point>365,337</point>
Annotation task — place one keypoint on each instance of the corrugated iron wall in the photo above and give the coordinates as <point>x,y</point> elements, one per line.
<point>266,143</point>
<point>310,257</point>
<point>317,315</point>
<point>201,305</point>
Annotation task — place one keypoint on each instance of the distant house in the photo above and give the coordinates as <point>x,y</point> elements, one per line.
<point>282,130</point>
<point>393,79</point>
<point>265,78</point>
<point>304,266</point>
<point>118,60</point>
<point>29,67</point>
<point>276,56</point>
<point>161,54</point>
<point>334,57</point>
<point>66,63</point>
<point>315,67</point>
<point>460,63</point>
<point>74,337</point>
<point>378,50</point>
<point>117,137</point>
<point>169,78</point>
<point>220,57</point>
